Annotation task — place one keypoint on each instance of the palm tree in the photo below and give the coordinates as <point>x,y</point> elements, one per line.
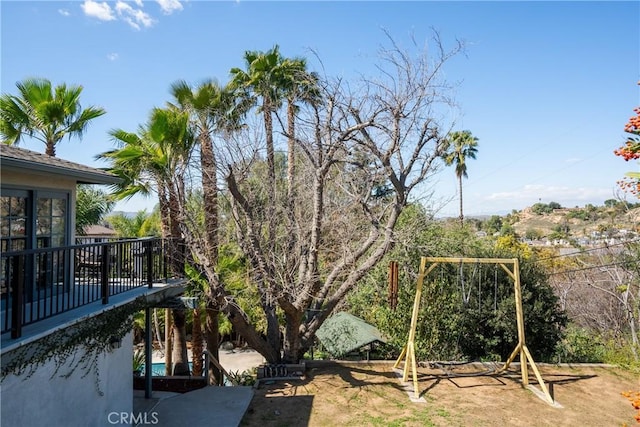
<point>262,81</point>
<point>154,158</point>
<point>91,206</point>
<point>211,109</point>
<point>44,113</point>
<point>298,85</point>
<point>462,146</point>
<point>150,160</point>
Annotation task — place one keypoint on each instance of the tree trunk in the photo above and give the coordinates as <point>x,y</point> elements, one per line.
<point>210,196</point>
<point>176,263</point>
<point>156,325</point>
<point>180,357</point>
<point>168,348</point>
<point>51,149</point>
<point>196,343</point>
<point>291,156</point>
<point>460,189</point>
<point>273,330</point>
<point>213,342</point>
<point>292,342</point>
<point>165,217</point>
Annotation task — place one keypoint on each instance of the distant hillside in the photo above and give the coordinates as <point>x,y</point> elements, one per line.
<point>589,221</point>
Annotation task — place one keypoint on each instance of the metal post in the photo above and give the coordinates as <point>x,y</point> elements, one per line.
<point>148,353</point>
<point>17,296</point>
<point>104,274</point>
<point>149,254</point>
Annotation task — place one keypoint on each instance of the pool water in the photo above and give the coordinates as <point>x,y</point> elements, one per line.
<point>157,369</point>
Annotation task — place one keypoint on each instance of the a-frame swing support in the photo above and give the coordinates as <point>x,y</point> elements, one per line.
<point>427,264</point>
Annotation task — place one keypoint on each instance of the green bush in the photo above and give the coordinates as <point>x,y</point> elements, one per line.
<point>621,353</point>
<point>448,328</point>
<point>580,346</point>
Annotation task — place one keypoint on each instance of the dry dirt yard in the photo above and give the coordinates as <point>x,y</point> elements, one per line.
<point>371,394</point>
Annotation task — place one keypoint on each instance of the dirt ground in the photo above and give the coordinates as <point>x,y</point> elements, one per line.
<point>371,394</point>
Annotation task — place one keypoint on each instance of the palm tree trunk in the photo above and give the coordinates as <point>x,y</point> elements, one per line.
<point>156,324</point>
<point>460,189</point>
<point>291,157</point>
<point>213,342</point>
<point>51,149</point>
<point>180,357</point>
<point>208,164</point>
<point>271,172</point>
<point>165,222</point>
<point>196,343</point>
<point>210,194</point>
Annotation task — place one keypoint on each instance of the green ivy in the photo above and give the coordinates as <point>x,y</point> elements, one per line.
<point>90,337</point>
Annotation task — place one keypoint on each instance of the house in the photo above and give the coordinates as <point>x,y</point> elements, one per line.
<point>66,342</point>
<point>97,233</point>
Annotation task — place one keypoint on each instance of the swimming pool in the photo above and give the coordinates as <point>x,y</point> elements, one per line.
<point>157,369</point>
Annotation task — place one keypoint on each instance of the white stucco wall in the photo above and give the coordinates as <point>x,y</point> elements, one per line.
<point>41,400</point>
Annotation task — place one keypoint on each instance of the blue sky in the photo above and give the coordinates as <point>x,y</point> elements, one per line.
<point>545,86</point>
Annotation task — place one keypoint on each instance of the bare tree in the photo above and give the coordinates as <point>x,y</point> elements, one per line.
<point>600,291</point>
<point>311,232</point>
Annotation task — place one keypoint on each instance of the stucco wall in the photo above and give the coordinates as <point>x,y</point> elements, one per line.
<point>43,400</point>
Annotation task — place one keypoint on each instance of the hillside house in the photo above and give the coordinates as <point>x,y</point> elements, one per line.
<point>66,343</point>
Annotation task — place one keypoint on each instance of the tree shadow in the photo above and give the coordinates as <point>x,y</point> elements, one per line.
<point>280,411</point>
<point>496,379</point>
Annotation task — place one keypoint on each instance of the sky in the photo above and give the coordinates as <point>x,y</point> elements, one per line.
<point>546,87</point>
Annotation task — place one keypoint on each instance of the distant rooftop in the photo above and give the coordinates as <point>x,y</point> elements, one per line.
<point>12,157</point>
<point>98,231</point>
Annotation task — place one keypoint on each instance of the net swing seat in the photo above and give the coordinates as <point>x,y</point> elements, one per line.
<point>447,368</point>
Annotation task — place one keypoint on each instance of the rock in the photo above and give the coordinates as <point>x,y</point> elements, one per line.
<point>227,345</point>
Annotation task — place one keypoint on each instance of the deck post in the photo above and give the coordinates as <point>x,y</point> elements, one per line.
<point>17,297</point>
<point>104,274</point>
<point>148,355</point>
<point>148,252</point>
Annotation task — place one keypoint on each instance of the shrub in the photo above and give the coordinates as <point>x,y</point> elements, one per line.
<point>580,346</point>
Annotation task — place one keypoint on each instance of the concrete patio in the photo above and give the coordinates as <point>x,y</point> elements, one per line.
<point>220,406</point>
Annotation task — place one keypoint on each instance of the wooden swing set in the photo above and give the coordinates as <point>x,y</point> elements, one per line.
<point>521,349</point>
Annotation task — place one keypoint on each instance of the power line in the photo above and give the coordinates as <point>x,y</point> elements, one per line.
<point>613,264</point>
<point>587,250</point>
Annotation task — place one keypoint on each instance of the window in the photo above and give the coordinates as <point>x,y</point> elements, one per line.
<point>48,216</point>
<point>51,221</point>
<point>14,221</point>
<point>35,219</point>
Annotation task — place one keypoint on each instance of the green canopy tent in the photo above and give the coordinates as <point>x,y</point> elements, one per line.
<point>343,333</point>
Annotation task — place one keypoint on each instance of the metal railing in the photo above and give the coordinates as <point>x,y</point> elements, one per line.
<point>40,283</point>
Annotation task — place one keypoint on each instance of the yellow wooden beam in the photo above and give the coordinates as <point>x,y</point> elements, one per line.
<point>472,260</point>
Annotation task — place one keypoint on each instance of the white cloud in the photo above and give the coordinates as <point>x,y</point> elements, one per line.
<point>169,6</point>
<point>566,196</point>
<point>101,11</point>
<point>112,56</point>
<point>64,12</point>
<point>128,11</point>
<point>134,17</point>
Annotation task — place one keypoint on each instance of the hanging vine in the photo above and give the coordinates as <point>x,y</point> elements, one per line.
<point>78,347</point>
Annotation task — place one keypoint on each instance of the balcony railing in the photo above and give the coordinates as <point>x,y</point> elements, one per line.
<point>40,283</point>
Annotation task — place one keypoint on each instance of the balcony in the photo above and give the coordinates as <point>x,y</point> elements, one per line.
<point>40,286</point>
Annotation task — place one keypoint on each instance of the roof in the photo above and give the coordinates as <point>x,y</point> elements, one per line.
<point>343,333</point>
<point>98,231</point>
<point>21,159</point>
